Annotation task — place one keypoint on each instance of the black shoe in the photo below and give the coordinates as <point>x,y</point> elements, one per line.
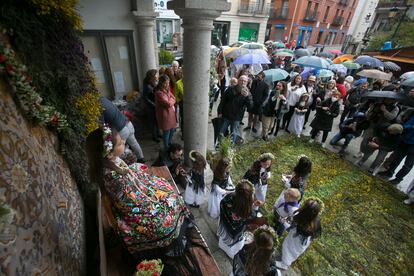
<point>265,138</point>
<point>241,123</point>
<point>287,130</point>
<point>395,181</point>
<point>254,130</point>
<point>246,128</point>
<point>384,174</point>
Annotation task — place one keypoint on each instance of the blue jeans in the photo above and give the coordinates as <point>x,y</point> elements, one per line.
<point>234,127</point>
<point>348,137</point>
<point>167,136</point>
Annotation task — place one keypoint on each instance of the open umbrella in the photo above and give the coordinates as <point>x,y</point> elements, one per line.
<point>325,55</point>
<point>369,61</point>
<point>343,58</point>
<point>283,54</point>
<point>237,52</point>
<point>302,52</point>
<point>253,45</point>
<point>318,45</point>
<point>252,59</point>
<point>312,61</point>
<point>351,65</point>
<point>401,97</point>
<point>273,75</point>
<point>338,68</point>
<point>228,50</point>
<point>391,66</point>
<point>374,74</point>
<point>407,75</point>
<point>306,72</point>
<point>279,44</point>
<point>335,52</point>
<point>408,82</point>
<point>324,73</point>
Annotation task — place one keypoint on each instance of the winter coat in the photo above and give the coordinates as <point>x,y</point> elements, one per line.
<point>148,95</point>
<point>273,106</point>
<point>324,118</point>
<point>259,90</point>
<point>233,104</point>
<point>165,110</point>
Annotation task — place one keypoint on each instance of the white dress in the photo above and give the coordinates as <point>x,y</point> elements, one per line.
<point>296,123</point>
<point>293,246</point>
<point>191,196</point>
<point>261,190</point>
<point>215,198</point>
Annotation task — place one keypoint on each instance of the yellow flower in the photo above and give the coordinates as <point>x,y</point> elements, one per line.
<point>89,107</point>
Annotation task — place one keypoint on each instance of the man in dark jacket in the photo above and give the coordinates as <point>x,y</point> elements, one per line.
<point>353,99</point>
<point>259,91</point>
<point>233,105</point>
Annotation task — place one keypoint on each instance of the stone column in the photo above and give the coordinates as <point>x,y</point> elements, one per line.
<point>197,16</point>
<point>145,21</point>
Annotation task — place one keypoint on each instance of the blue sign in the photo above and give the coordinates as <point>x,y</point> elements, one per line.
<point>280,26</point>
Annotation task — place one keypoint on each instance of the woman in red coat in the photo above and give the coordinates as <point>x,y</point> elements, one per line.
<point>165,110</point>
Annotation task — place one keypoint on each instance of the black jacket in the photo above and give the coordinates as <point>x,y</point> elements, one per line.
<point>324,118</point>
<point>259,90</point>
<point>233,104</point>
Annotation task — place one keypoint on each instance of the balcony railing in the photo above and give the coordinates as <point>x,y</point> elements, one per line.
<point>337,21</point>
<point>311,16</point>
<point>344,2</point>
<point>253,7</point>
<point>279,13</point>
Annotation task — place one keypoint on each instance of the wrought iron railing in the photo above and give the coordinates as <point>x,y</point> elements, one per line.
<point>253,7</point>
<point>311,16</point>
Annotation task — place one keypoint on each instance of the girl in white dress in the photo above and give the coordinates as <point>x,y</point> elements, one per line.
<point>298,118</point>
<point>259,175</point>
<point>284,209</point>
<point>222,184</point>
<point>306,226</point>
<point>195,190</point>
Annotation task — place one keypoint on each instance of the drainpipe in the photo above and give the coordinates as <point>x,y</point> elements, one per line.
<point>293,20</point>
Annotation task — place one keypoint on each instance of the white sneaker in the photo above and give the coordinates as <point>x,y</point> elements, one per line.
<point>408,201</point>
<point>311,141</point>
<point>281,265</point>
<point>358,155</point>
<point>298,136</point>
<point>323,145</point>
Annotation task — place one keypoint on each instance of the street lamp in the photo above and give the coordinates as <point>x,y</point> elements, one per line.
<point>395,9</point>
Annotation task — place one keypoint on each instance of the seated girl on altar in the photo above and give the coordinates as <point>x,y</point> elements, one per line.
<point>259,175</point>
<point>222,184</point>
<point>195,190</point>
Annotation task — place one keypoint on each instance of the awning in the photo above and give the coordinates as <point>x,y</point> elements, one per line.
<point>280,26</point>
<point>397,59</point>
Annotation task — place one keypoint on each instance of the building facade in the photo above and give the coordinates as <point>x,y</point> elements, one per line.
<point>246,21</point>
<point>311,22</point>
<point>360,24</point>
<point>168,25</point>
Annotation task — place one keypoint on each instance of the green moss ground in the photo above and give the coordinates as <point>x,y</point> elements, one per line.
<point>367,230</point>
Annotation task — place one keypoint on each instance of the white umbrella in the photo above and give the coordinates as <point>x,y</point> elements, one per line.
<point>375,74</point>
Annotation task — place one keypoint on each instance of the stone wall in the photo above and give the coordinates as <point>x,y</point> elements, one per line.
<point>45,233</point>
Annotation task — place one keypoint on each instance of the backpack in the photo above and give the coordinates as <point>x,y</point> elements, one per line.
<point>148,212</point>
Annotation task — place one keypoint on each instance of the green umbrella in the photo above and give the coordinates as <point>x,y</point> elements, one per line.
<point>279,44</point>
<point>287,51</point>
<point>273,75</point>
<point>351,65</point>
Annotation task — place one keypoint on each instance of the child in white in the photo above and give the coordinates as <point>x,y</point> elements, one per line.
<point>222,184</point>
<point>298,118</point>
<point>195,190</point>
<point>284,209</point>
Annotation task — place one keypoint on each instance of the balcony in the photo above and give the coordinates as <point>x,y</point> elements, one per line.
<point>344,2</point>
<point>311,16</point>
<point>279,13</point>
<point>337,21</point>
<point>253,7</point>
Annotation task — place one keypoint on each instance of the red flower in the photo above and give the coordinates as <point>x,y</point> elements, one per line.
<point>54,120</point>
<point>9,68</point>
<point>139,266</point>
<point>155,274</point>
<point>2,58</point>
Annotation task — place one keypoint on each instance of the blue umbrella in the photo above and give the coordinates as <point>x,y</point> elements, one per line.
<point>306,72</point>
<point>408,82</point>
<point>312,61</point>
<point>324,73</point>
<point>325,55</point>
<point>369,61</point>
<point>302,53</point>
<point>252,59</point>
<point>273,75</point>
<point>338,68</point>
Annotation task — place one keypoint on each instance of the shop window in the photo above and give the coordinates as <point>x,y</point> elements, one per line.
<point>112,58</point>
<point>248,31</point>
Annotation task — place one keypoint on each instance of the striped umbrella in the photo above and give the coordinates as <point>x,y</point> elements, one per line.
<point>392,66</point>
<point>351,65</point>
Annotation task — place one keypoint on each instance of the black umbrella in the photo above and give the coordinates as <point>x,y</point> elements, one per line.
<point>391,66</point>
<point>380,95</point>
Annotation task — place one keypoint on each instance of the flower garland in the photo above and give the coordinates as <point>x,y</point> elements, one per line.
<point>30,101</point>
<point>88,106</point>
<point>319,201</point>
<point>269,230</point>
<point>149,268</point>
<point>107,138</point>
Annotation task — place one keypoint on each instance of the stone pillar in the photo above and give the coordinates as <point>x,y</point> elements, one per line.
<point>197,16</point>
<point>145,21</point>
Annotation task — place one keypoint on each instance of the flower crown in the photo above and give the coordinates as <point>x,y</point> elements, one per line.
<point>319,201</point>
<point>266,155</point>
<point>107,138</point>
<point>267,229</point>
<point>301,155</point>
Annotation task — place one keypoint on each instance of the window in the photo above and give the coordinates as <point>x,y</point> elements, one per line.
<point>308,7</point>
<point>318,40</point>
<point>248,31</point>
<point>326,14</point>
<point>337,12</point>
<point>315,9</point>
<point>112,58</point>
<point>353,3</point>
<point>347,19</point>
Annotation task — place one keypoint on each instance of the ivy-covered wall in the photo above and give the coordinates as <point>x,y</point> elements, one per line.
<point>42,221</point>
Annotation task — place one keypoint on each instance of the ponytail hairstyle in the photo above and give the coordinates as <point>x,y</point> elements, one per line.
<point>243,199</point>
<point>303,167</point>
<point>259,254</point>
<point>307,217</point>
<point>199,162</point>
<point>220,172</point>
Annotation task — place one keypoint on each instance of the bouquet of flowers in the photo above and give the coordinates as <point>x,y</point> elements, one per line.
<point>149,268</point>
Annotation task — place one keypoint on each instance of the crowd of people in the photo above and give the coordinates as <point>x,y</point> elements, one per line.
<point>386,125</point>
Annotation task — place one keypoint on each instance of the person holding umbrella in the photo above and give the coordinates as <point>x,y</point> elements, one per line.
<point>259,91</point>
<point>353,98</point>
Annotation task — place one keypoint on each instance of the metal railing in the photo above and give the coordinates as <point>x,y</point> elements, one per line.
<point>253,7</point>
<point>337,21</point>
<point>279,13</point>
<point>311,16</point>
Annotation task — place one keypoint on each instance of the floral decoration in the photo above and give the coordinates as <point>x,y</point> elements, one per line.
<point>149,268</point>
<point>30,101</point>
<point>267,229</point>
<point>89,107</point>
